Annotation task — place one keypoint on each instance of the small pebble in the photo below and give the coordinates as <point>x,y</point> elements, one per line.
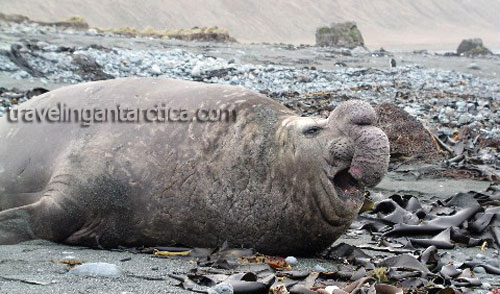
<point>155,69</point>
<point>196,71</point>
<point>464,119</point>
<point>479,270</point>
<point>319,268</point>
<point>99,269</point>
<point>291,260</point>
<point>222,288</point>
<point>474,66</point>
<point>330,289</point>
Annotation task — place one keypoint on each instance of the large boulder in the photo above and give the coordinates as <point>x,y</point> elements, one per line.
<point>344,34</point>
<point>408,137</point>
<point>472,47</point>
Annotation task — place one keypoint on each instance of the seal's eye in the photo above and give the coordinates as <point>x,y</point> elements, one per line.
<point>312,131</point>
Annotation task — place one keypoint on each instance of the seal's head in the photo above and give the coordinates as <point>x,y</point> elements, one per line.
<point>330,161</point>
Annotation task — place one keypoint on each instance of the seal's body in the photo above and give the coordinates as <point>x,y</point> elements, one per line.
<point>262,177</point>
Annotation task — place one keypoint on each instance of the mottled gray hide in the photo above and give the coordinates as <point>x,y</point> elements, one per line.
<point>270,180</point>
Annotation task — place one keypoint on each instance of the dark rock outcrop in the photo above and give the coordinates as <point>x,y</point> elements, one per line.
<point>472,47</point>
<point>75,22</point>
<point>89,69</point>
<point>16,56</point>
<point>16,18</point>
<point>204,34</point>
<point>344,34</point>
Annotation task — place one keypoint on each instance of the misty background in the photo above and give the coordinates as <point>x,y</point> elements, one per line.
<point>392,24</point>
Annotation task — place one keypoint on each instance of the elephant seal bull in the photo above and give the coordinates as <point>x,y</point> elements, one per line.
<point>266,179</point>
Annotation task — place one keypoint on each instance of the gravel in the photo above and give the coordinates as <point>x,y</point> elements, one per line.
<point>446,101</point>
<point>447,97</point>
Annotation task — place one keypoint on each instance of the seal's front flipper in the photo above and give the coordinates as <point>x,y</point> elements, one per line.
<point>8,201</point>
<point>15,226</point>
<point>44,219</point>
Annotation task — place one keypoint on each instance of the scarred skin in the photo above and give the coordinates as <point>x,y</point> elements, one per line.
<point>261,181</point>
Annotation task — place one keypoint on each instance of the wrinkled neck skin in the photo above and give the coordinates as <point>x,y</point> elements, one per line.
<point>288,205</point>
<point>323,165</point>
<point>265,183</point>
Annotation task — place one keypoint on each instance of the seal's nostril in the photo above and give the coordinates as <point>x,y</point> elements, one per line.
<point>341,152</point>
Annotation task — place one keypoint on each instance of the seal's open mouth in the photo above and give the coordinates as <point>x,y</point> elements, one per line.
<point>346,186</point>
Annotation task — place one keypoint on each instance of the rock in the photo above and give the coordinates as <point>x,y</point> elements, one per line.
<point>421,52</point>
<point>408,137</point>
<point>464,119</point>
<point>99,269</point>
<point>472,47</point>
<point>74,22</point>
<point>474,66</point>
<point>205,34</point>
<point>480,256</point>
<point>92,32</point>
<point>479,270</point>
<point>344,34</point>
<point>234,81</point>
<point>291,260</point>
<point>89,69</point>
<point>381,52</point>
<point>319,268</point>
<point>356,51</point>
<point>16,56</point>
<point>196,71</point>
<point>302,78</point>
<point>20,75</point>
<point>347,52</point>
<point>16,18</point>
<point>330,289</point>
<point>222,288</point>
<point>155,70</point>
<point>461,106</point>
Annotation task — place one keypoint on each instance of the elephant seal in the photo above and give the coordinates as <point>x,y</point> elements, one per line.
<point>267,179</point>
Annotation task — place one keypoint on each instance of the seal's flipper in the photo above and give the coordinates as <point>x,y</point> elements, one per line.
<point>44,219</point>
<point>9,201</point>
<point>15,226</point>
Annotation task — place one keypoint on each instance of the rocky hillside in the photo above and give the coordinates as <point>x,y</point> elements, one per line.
<point>401,24</point>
